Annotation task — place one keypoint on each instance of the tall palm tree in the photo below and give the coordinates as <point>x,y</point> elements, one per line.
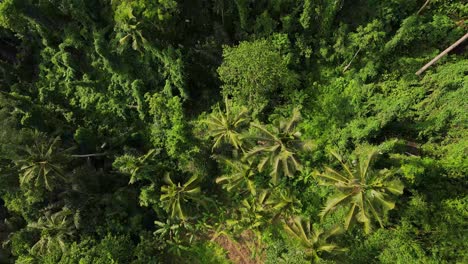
<point>366,192</point>
<point>225,127</point>
<point>42,165</point>
<point>175,197</point>
<point>55,230</point>
<point>278,145</point>
<point>313,241</point>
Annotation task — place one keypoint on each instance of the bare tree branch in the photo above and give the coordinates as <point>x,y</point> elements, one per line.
<point>423,7</point>
<point>443,53</point>
<point>88,155</point>
<point>352,59</point>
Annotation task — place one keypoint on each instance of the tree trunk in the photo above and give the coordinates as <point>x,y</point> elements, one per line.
<point>443,53</point>
<point>88,155</point>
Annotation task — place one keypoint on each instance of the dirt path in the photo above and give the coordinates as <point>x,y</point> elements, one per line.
<point>239,251</point>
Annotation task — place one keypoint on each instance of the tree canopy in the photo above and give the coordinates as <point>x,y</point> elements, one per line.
<point>233,131</point>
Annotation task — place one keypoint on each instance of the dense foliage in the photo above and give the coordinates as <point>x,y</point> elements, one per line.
<point>233,131</point>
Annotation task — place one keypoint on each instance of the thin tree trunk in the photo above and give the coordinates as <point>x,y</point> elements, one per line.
<point>352,59</point>
<point>88,155</point>
<point>443,53</point>
<point>423,7</point>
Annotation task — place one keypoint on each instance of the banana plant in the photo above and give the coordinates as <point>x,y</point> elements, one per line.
<point>175,197</point>
<point>314,241</point>
<point>277,147</point>
<point>43,163</point>
<point>55,229</point>
<point>368,194</point>
<point>226,126</point>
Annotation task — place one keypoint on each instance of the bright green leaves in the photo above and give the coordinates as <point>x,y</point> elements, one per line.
<point>368,194</point>
<point>261,209</point>
<point>176,197</point>
<point>149,10</point>
<point>137,167</point>
<point>168,129</point>
<point>240,177</point>
<point>442,117</point>
<point>132,35</point>
<point>272,148</point>
<point>133,17</point>
<point>254,73</point>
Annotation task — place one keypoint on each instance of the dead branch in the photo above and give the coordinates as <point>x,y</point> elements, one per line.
<point>423,7</point>
<point>443,53</point>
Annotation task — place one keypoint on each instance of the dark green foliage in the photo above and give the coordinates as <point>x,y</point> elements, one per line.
<point>180,131</point>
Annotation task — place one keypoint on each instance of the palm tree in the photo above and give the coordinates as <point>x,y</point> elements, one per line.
<point>42,166</point>
<point>264,208</point>
<point>278,146</point>
<point>240,178</point>
<point>55,230</point>
<point>256,211</point>
<point>366,192</point>
<point>175,197</point>
<point>137,167</point>
<point>225,127</point>
<point>285,203</point>
<point>314,241</point>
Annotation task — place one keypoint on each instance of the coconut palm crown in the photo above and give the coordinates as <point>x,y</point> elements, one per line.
<point>176,196</point>
<point>277,147</point>
<point>225,126</point>
<point>367,193</point>
<point>313,240</point>
<point>42,164</point>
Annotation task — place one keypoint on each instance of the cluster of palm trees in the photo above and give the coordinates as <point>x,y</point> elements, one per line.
<point>365,193</point>
<point>256,152</point>
<point>272,148</point>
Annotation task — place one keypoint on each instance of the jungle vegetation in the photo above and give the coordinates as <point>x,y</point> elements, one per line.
<point>233,131</point>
